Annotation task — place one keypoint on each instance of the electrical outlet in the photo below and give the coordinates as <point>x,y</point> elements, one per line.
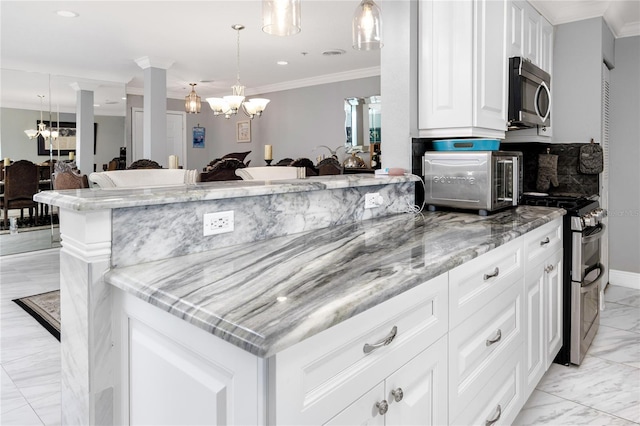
<point>372,200</point>
<point>218,223</point>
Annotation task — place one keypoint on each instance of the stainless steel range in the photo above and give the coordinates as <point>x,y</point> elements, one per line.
<point>583,272</point>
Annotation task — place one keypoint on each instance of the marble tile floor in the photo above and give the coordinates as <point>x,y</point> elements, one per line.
<point>604,390</point>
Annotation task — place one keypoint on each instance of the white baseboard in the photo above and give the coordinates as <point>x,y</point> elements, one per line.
<point>624,279</point>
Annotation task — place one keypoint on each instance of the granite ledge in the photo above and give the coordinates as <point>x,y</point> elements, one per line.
<point>101,199</point>
<point>267,296</point>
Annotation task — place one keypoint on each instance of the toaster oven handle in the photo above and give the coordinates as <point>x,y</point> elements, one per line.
<point>516,182</point>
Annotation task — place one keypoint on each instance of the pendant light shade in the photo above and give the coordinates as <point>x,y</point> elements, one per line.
<point>281,17</point>
<point>230,105</point>
<point>367,26</point>
<point>192,101</point>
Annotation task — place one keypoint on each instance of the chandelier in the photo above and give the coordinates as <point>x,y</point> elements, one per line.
<point>366,26</point>
<point>229,105</point>
<point>192,101</point>
<point>42,128</point>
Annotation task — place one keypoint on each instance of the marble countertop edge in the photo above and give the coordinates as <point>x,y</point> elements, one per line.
<point>101,199</point>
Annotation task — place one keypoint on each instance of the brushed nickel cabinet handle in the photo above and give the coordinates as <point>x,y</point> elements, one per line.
<point>397,394</point>
<point>545,241</point>
<point>368,348</point>
<point>495,339</point>
<point>495,273</point>
<point>496,417</point>
<point>382,406</point>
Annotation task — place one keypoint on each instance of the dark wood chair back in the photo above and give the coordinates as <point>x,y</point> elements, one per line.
<point>329,166</point>
<point>144,164</point>
<point>67,177</point>
<point>224,169</point>
<point>20,185</point>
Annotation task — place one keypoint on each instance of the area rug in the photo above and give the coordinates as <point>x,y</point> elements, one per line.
<point>45,308</point>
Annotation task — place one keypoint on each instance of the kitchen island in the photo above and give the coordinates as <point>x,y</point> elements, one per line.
<point>255,329</point>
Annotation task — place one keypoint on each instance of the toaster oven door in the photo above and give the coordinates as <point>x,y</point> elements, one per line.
<point>505,182</point>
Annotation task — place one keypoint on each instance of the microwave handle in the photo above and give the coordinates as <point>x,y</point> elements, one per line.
<point>542,85</point>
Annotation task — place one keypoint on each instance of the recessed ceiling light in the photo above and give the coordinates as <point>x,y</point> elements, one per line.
<point>67,14</point>
<point>282,63</point>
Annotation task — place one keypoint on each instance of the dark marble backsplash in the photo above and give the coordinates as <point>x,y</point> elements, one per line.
<point>570,180</point>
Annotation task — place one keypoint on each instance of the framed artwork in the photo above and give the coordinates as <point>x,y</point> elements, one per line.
<point>243,131</point>
<point>66,140</point>
<point>198,137</point>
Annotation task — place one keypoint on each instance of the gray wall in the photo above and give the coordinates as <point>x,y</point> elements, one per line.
<point>579,50</point>
<point>624,157</point>
<point>17,146</point>
<point>295,122</point>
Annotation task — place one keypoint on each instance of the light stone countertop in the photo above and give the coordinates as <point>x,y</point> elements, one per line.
<point>111,198</point>
<point>269,295</point>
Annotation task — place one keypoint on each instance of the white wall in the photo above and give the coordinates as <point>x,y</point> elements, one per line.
<point>624,157</point>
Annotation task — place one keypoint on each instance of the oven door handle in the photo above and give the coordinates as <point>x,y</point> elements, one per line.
<point>585,288</point>
<point>595,236</point>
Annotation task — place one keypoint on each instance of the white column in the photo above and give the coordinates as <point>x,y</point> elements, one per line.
<point>87,354</point>
<point>399,81</point>
<point>85,134</point>
<point>154,139</point>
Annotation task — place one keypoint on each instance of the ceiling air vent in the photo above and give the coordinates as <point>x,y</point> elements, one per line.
<point>333,52</point>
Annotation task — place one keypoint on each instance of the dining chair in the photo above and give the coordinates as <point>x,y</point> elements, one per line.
<point>20,185</point>
<point>67,177</point>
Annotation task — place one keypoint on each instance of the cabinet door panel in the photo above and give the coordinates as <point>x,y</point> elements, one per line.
<point>515,26</point>
<point>423,382</point>
<point>363,411</point>
<point>490,65</point>
<point>553,294</point>
<point>531,34</point>
<point>535,348</point>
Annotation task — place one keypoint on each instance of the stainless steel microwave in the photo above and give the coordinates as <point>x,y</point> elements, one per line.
<point>474,180</point>
<point>529,95</point>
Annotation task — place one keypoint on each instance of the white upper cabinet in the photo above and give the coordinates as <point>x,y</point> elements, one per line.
<point>462,65</point>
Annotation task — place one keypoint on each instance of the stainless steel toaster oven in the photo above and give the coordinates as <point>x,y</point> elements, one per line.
<point>485,181</point>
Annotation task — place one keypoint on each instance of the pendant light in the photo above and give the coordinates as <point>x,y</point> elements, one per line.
<point>367,26</point>
<point>42,128</point>
<point>192,101</point>
<point>229,105</point>
<point>281,17</point>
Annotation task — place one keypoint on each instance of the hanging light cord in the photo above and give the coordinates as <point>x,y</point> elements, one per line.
<point>238,28</point>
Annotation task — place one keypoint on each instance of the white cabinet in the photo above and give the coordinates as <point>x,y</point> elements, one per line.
<point>529,34</point>
<point>413,395</point>
<point>462,83</point>
<point>543,301</point>
<point>321,376</point>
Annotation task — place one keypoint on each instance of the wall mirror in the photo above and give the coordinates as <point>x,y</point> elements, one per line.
<point>362,122</point>
<point>29,97</point>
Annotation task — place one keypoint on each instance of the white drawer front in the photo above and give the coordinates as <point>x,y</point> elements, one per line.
<point>499,402</point>
<point>542,242</point>
<point>480,281</point>
<point>476,346</point>
<point>321,375</point>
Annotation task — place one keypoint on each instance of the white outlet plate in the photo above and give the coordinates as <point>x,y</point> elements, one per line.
<point>372,200</point>
<point>217,223</point>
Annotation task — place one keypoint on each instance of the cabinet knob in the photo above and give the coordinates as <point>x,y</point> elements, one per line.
<point>398,394</point>
<point>495,339</point>
<point>368,348</point>
<point>545,241</point>
<point>495,418</point>
<point>549,268</point>
<point>382,406</point>
<point>495,273</point>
